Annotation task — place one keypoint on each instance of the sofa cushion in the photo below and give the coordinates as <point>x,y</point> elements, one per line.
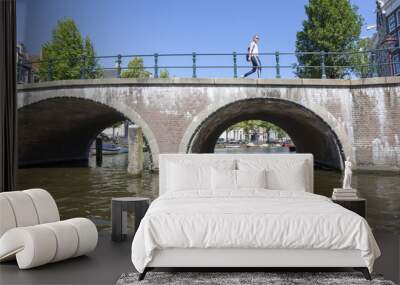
<point>7,218</point>
<point>46,207</point>
<point>23,208</point>
<point>67,240</point>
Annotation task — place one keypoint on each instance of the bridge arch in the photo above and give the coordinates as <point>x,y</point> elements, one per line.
<point>312,128</point>
<point>72,123</point>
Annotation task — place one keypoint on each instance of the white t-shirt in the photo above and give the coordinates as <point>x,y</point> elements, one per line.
<point>253,48</point>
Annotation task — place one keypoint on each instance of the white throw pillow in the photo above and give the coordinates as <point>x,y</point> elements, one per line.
<point>251,178</point>
<point>188,177</point>
<point>223,179</point>
<point>292,178</point>
<point>282,174</point>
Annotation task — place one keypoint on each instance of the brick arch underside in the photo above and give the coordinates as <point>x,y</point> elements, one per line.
<point>60,130</point>
<point>308,131</point>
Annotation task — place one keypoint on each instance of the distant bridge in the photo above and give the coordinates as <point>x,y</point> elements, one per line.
<point>332,119</point>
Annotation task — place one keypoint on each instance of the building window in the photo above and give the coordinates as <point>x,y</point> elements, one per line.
<point>398,38</point>
<point>398,17</point>
<point>392,23</point>
<point>396,64</point>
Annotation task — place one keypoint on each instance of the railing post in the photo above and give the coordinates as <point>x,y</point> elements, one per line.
<point>194,65</point>
<point>234,65</point>
<point>370,56</point>
<point>278,67</point>
<point>30,74</point>
<point>83,67</point>
<point>119,61</point>
<point>50,70</point>
<point>374,70</point>
<point>156,65</point>
<point>323,71</point>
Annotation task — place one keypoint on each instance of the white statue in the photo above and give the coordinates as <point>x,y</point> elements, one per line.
<point>347,174</point>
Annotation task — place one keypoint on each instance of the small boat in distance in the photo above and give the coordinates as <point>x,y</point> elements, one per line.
<point>290,145</point>
<point>232,146</point>
<point>109,149</point>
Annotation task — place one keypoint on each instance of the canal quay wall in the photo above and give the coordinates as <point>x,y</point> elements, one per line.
<point>333,119</point>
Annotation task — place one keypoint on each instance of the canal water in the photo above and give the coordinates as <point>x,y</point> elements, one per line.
<point>87,191</point>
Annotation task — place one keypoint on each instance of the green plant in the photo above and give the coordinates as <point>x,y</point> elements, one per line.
<point>164,74</point>
<point>135,69</point>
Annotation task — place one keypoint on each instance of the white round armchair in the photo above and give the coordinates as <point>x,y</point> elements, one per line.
<point>31,230</point>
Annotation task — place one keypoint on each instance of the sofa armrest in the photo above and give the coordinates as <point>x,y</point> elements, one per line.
<point>41,244</point>
<point>32,246</point>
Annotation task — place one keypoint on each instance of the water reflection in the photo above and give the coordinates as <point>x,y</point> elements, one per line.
<point>87,191</point>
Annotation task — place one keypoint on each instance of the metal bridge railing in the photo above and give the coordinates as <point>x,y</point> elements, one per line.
<point>371,63</point>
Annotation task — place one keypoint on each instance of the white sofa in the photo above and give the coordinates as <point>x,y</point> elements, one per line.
<point>31,231</point>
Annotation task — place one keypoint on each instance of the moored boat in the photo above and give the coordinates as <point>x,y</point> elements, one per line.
<point>232,146</point>
<point>110,149</point>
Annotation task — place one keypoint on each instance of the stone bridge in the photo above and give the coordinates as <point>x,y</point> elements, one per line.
<point>332,119</point>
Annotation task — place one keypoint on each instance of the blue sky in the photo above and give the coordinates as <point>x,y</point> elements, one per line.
<point>175,26</point>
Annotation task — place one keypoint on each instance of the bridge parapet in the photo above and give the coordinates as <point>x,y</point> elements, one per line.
<point>355,83</point>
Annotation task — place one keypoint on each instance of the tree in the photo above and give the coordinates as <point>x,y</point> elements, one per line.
<point>135,69</point>
<point>331,26</point>
<point>253,127</point>
<point>281,134</point>
<point>91,67</point>
<point>68,55</point>
<point>164,74</point>
<point>246,126</point>
<point>362,59</point>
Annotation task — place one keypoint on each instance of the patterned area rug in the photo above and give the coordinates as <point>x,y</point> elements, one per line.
<point>243,278</point>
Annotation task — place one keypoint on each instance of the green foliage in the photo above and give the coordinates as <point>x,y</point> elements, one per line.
<point>164,73</point>
<point>247,126</point>
<point>135,69</point>
<point>331,26</point>
<point>253,126</point>
<point>68,55</point>
<point>362,60</point>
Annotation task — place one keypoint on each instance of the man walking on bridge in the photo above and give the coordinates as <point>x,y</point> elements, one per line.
<point>252,55</point>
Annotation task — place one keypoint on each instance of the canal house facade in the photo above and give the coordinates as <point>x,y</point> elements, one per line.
<point>387,38</point>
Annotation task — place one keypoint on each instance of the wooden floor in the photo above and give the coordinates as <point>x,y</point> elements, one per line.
<point>110,259</point>
<point>103,266</point>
